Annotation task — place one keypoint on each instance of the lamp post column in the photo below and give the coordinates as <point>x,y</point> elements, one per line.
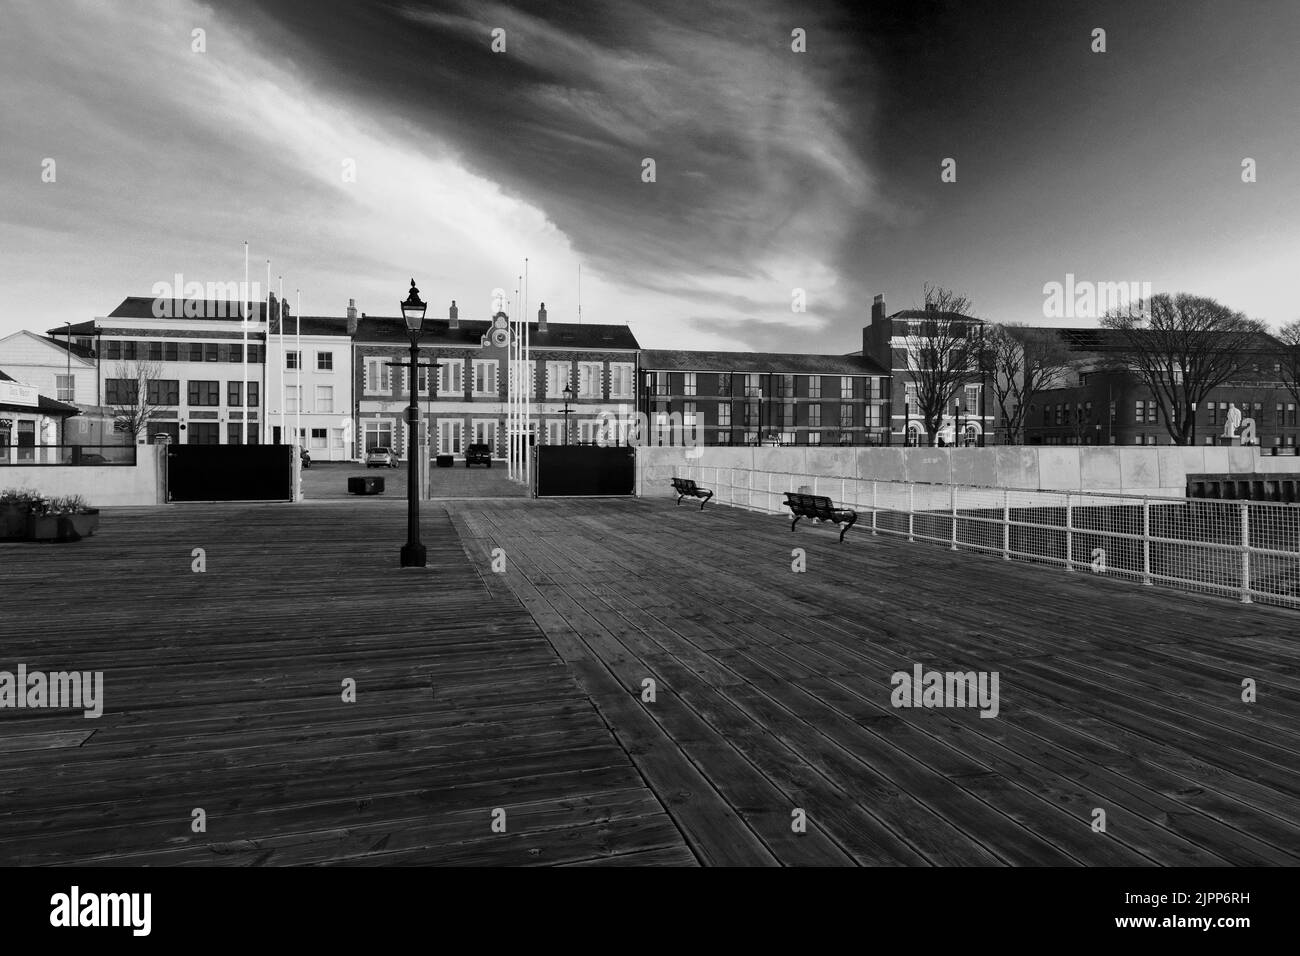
<point>413,552</point>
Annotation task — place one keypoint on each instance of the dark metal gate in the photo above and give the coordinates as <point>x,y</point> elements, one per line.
<point>583,470</point>
<point>229,472</point>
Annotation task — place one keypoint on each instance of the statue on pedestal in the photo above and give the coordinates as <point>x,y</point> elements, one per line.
<point>1232,422</point>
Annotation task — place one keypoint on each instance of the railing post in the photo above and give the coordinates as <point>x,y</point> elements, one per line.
<point>1006,525</point>
<point>952,504</point>
<point>911,511</point>
<point>1069,533</point>
<point>1245,553</point>
<point>873,508</point>
<point>1146,541</point>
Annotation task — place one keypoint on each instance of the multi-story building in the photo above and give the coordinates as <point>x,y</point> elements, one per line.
<point>191,354</point>
<point>890,340</point>
<point>1100,402</point>
<point>751,398</point>
<point>468,401</point>
<point>309,386</point>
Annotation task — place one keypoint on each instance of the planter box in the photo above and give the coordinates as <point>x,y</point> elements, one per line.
<point>365,485</point>
<point>13,523</point>
<point>62,527</point>
<point>445,461</point>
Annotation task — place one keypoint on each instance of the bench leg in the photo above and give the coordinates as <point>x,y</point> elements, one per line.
<point>795,521</point>
<point>707,496</point>
<point>679,498</point>
<point>848,524</point>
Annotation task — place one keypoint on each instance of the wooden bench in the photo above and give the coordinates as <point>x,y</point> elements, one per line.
<point>685,486</point>
<point>819,508</point>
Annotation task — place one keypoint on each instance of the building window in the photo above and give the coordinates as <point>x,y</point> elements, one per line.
<point>688,383</point>
<point>203,433</point>
<point>485,377</point>
<point>846,386</point>
<point>787,414</point>
<point>324,361</point>
<point>814,438</point>
<point>293,360</point>
<point>233,390</point>
<point>254,394</point>
<point>485,432</point>
<point>874,415</point>
<point>753,386</point>
<point>325,398</point>
<point>620,380</point>
<point>319,438</point>
<point>155,351</point>
<point>660,384</point>
<point>451,377</point>
<point>204,393</point>
<point>557,376</point>
<point>751,414</point>
<point>724,414</point>
<point>1290,414</point>
<point>724,438</point>
<point>379,434</point>
<point>589,375</point>
<point>235,354</point>
<point>814,416</point>
<point>972,399</point>
<point>164,391</point>
<point>785,386</point>
<point>379,379</point>
<point>120,391</point>
<point>846,416</point>
<point>689,415</point>
<point>65,387</point>
<point>130,350</point>
<point>293,398</point>
<point>814,386</point>
<point>724,383</point>
<point>171,351</point>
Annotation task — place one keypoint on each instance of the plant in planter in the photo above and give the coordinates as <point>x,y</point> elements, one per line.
<point>15,503</point>
<point>61,519</point>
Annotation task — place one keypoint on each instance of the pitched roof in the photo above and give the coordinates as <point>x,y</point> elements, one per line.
<point>1100,339</point>
<point>935,314</point>
<point>220,310</point>
<point>558,335</point>
<point>683,360</point>
<point>311,325</point>
<point>80,351</point>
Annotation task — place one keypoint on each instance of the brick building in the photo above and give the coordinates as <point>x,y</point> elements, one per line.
<point>751,398</point>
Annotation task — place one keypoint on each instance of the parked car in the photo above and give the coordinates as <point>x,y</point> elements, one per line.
<point>381,457</point>
<point>478,454</point>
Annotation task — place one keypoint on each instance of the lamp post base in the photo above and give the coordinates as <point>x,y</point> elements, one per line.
<point>413,555</point>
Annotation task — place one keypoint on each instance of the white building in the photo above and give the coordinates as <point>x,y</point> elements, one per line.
<point>309,386</point>
<point>63,369</point>
<point>194,357</point>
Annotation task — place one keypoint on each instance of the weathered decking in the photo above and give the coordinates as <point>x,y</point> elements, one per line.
<point>523,691</point>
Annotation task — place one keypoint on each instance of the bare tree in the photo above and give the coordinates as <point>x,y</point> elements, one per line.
<point>1182,347</point>
<point>1289,360</point>
<point>134,407</point>
<point>1022,361</point>
<point>942,355</point>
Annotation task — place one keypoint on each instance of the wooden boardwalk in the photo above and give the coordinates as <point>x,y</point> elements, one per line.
<point>223,691</point>
<point>773,692</point>
<point>523,691</point>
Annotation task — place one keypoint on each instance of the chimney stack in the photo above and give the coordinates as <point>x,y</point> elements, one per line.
<point>878,309</point>
<point>453,316</point>
<point>352,317</point>
<point>541,318</point>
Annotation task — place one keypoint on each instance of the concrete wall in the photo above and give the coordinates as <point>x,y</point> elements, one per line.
<point>1148,470</point>
<point>103,486</point>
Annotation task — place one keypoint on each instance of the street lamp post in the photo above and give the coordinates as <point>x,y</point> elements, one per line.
<point>413,553</point>
<point>568,396</point>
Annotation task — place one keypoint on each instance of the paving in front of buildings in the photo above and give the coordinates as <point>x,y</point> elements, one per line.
<point>640,684</point>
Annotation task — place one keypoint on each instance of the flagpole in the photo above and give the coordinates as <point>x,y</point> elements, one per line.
<point>248,295</point>
<point>283,430</point>
<point>261,397</point>
<point>528,406</point>
<point>297,384</point>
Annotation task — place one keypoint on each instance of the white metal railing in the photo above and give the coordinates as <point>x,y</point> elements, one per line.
<point>1247,549</point>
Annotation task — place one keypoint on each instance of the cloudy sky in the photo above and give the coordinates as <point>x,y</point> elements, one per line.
<point>774,170</point>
